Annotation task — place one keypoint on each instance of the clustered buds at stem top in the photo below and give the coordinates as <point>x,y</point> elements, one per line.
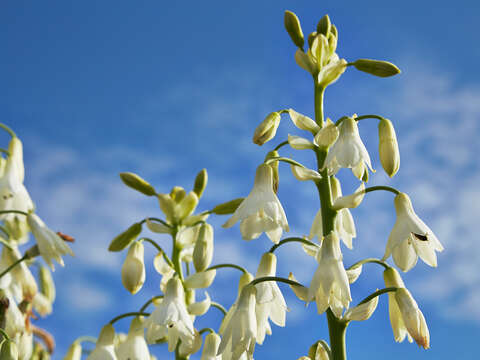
<point>133,268</point>
<point>267,129</point>
<point>410,238</point>
<point>50,245</point>
<point>329,286</point>
<point>261,210</point>
<point>388,147</point>
<point>405,316</point>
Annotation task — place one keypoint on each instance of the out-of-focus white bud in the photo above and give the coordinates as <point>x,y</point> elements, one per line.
<point>200,280</point>
<point>267,129</point>
<point>203,250</point>
<point>74,352</point>
<point>47,286</point>
<point>42,304</point>
<point>9,350</point>
<point>388,147</point>
<point>133,268</point>
<point>210,347</point>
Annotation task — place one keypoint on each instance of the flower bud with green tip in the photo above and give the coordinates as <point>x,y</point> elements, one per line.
<point>294,29</point>
<point>376,67</point>
<point>133,269</point>
<point>228,207</point>
<point>136,182</point>
<point>203,249</point>
<point>200,182</point>
<point>267,129</point>
<point>186,206</point>
<point>324,25</point>
<point>388,147</point>
<point>318,351</point>
<point>125,238</point>
<point>177,193</point>
<point>9,350</point>
<point>47,286</point>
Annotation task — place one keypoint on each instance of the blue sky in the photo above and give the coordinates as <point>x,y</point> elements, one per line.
<point>164,90</point>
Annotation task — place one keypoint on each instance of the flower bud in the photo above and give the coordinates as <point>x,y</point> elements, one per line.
<point>267,129</point>
<point>305,62</point>
<point>157,227</point>
<point>327,135</point>
<point>186,206</point>
<point>318,351</point>
<point>228,207</point>
<point>47,286</point>
<point>107,336</point>
<point>388,147</point>
<point>124,239</point>
<point>300,291</point>
<point>304,174</point>
<point>74,352</point>
<point>9,350</point>
<point>299,143</point>
<point>274,165</point>
<point>200,182</point>
<point>177,193</point>
<point>245,279</point>
<point>200,280</point>
<point>361,312</point>
<point>133,269</point>
<point>323,26</point>
<point>303,122</point>
<point>331,73</point>
<point>354,273</point>
<point>350,201</point>
<point>167,205</point>
<point>392,278</point>
<point>201,307</point>
<point>294,29</point>
<point>137,183</point>
<point>203,250</point>
<point>42,304</point>
<point>190,346</point>
<point>376,67</point>
<point>210,348</point>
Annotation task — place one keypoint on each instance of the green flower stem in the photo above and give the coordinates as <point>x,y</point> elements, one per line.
<point>5,231</point>
<point>133,313</point>
<point>280,145</point>
<point>369,260</point>
<point>336,327</point>
<point>274,278</point>
<point>177,353</point>
<point>358,118</point>
<point>284,159</point>
<point>4,334</point>
<point>5,243</point>
<point>13,212</point>
<point>5,151</point>
<point>233,266</point>
<point>7,270</point>
<point>144,307</point>
<point>86,338</point>
<point>292,239</point>
<point>284,111</point>
<point>219,307</point>
<point>160,250</point>
<point>204,330</point>
<point>381,187</point>
<point>7,129</point>
<point>177,264</point>
<point>377,293</point>
<point>155,219</point>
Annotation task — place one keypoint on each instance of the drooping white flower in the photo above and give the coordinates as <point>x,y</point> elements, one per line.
<point>344,224</point>
<point>240,332</point>
<point>410,238</point>
<point>24,341</point>
<point>348,151</point>
<point>104,348</point>
<point>270,302</point>
<point>74,351</point>
<point>405,317</point>
<point>50,245</point>
<point>23,284</point>
<point>329,286</point>
<point>170,318</point>
<point>133,268</point>
<point>261,210</point>
<point>210,347</point>
<point>134,347</point>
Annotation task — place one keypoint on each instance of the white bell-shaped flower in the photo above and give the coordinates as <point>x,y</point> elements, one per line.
<point>348,151</point>
<point>329,286</point>
<point>270,302</point>
<point>261,210</point>
<point>105,348</point>
<point>170,318</point>
<point>210,347</point>
<point>133,268</point>
<point>410,238</point>
<point>134,347</point>
<point>240,332</point>
<point>50,245</point>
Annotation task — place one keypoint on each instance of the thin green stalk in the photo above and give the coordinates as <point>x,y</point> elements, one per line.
<point>369,260</point>
<point>4,334</point>
<point>13,212</point>
<point>204,330</point>
<point>319,91</point>
<point>5,151</point>
<point>381,187</point>
<point>5,231</point>
<point>377,293</point>
<point>274,278</point>
<point>7,129</point>
<point>337,330</point>
<point>177,263</point>
<point>144,306</point>
<point>280,145</point>
<point>7,270</point>
<point>219,307</point>
<point>292,239</point>
<point>233,266</point>
<point>160,250</point>
<point>284,159</point>
<point>5,243</point>
<point>133,313</point>
<point>155,219</point>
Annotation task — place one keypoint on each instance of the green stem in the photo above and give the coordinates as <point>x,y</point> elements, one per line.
<point>133,313</point>
<point>142,309</point>
<point>358,118</point>
<point>7,129</point>
<point>337,330</point>
<point>5,231</point>
<point>160,250</point>
<point>233,266</point>
<point>319,91</point>
<point>5,151</point>
<point>280,145</point>
<point>369,260</point>
<point>157,220</point>
<point>210,330</point>
<point>7,270</point>
<point>13,212</point>
<point>381,187</point>
<point>274,278</point>
<point>219,307</point>
<point>4,334</point>
<point>177,264</point>
<point>292,239</point>
<point>284,159</point>
<point>377,293</point>
<point>5,243</point>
